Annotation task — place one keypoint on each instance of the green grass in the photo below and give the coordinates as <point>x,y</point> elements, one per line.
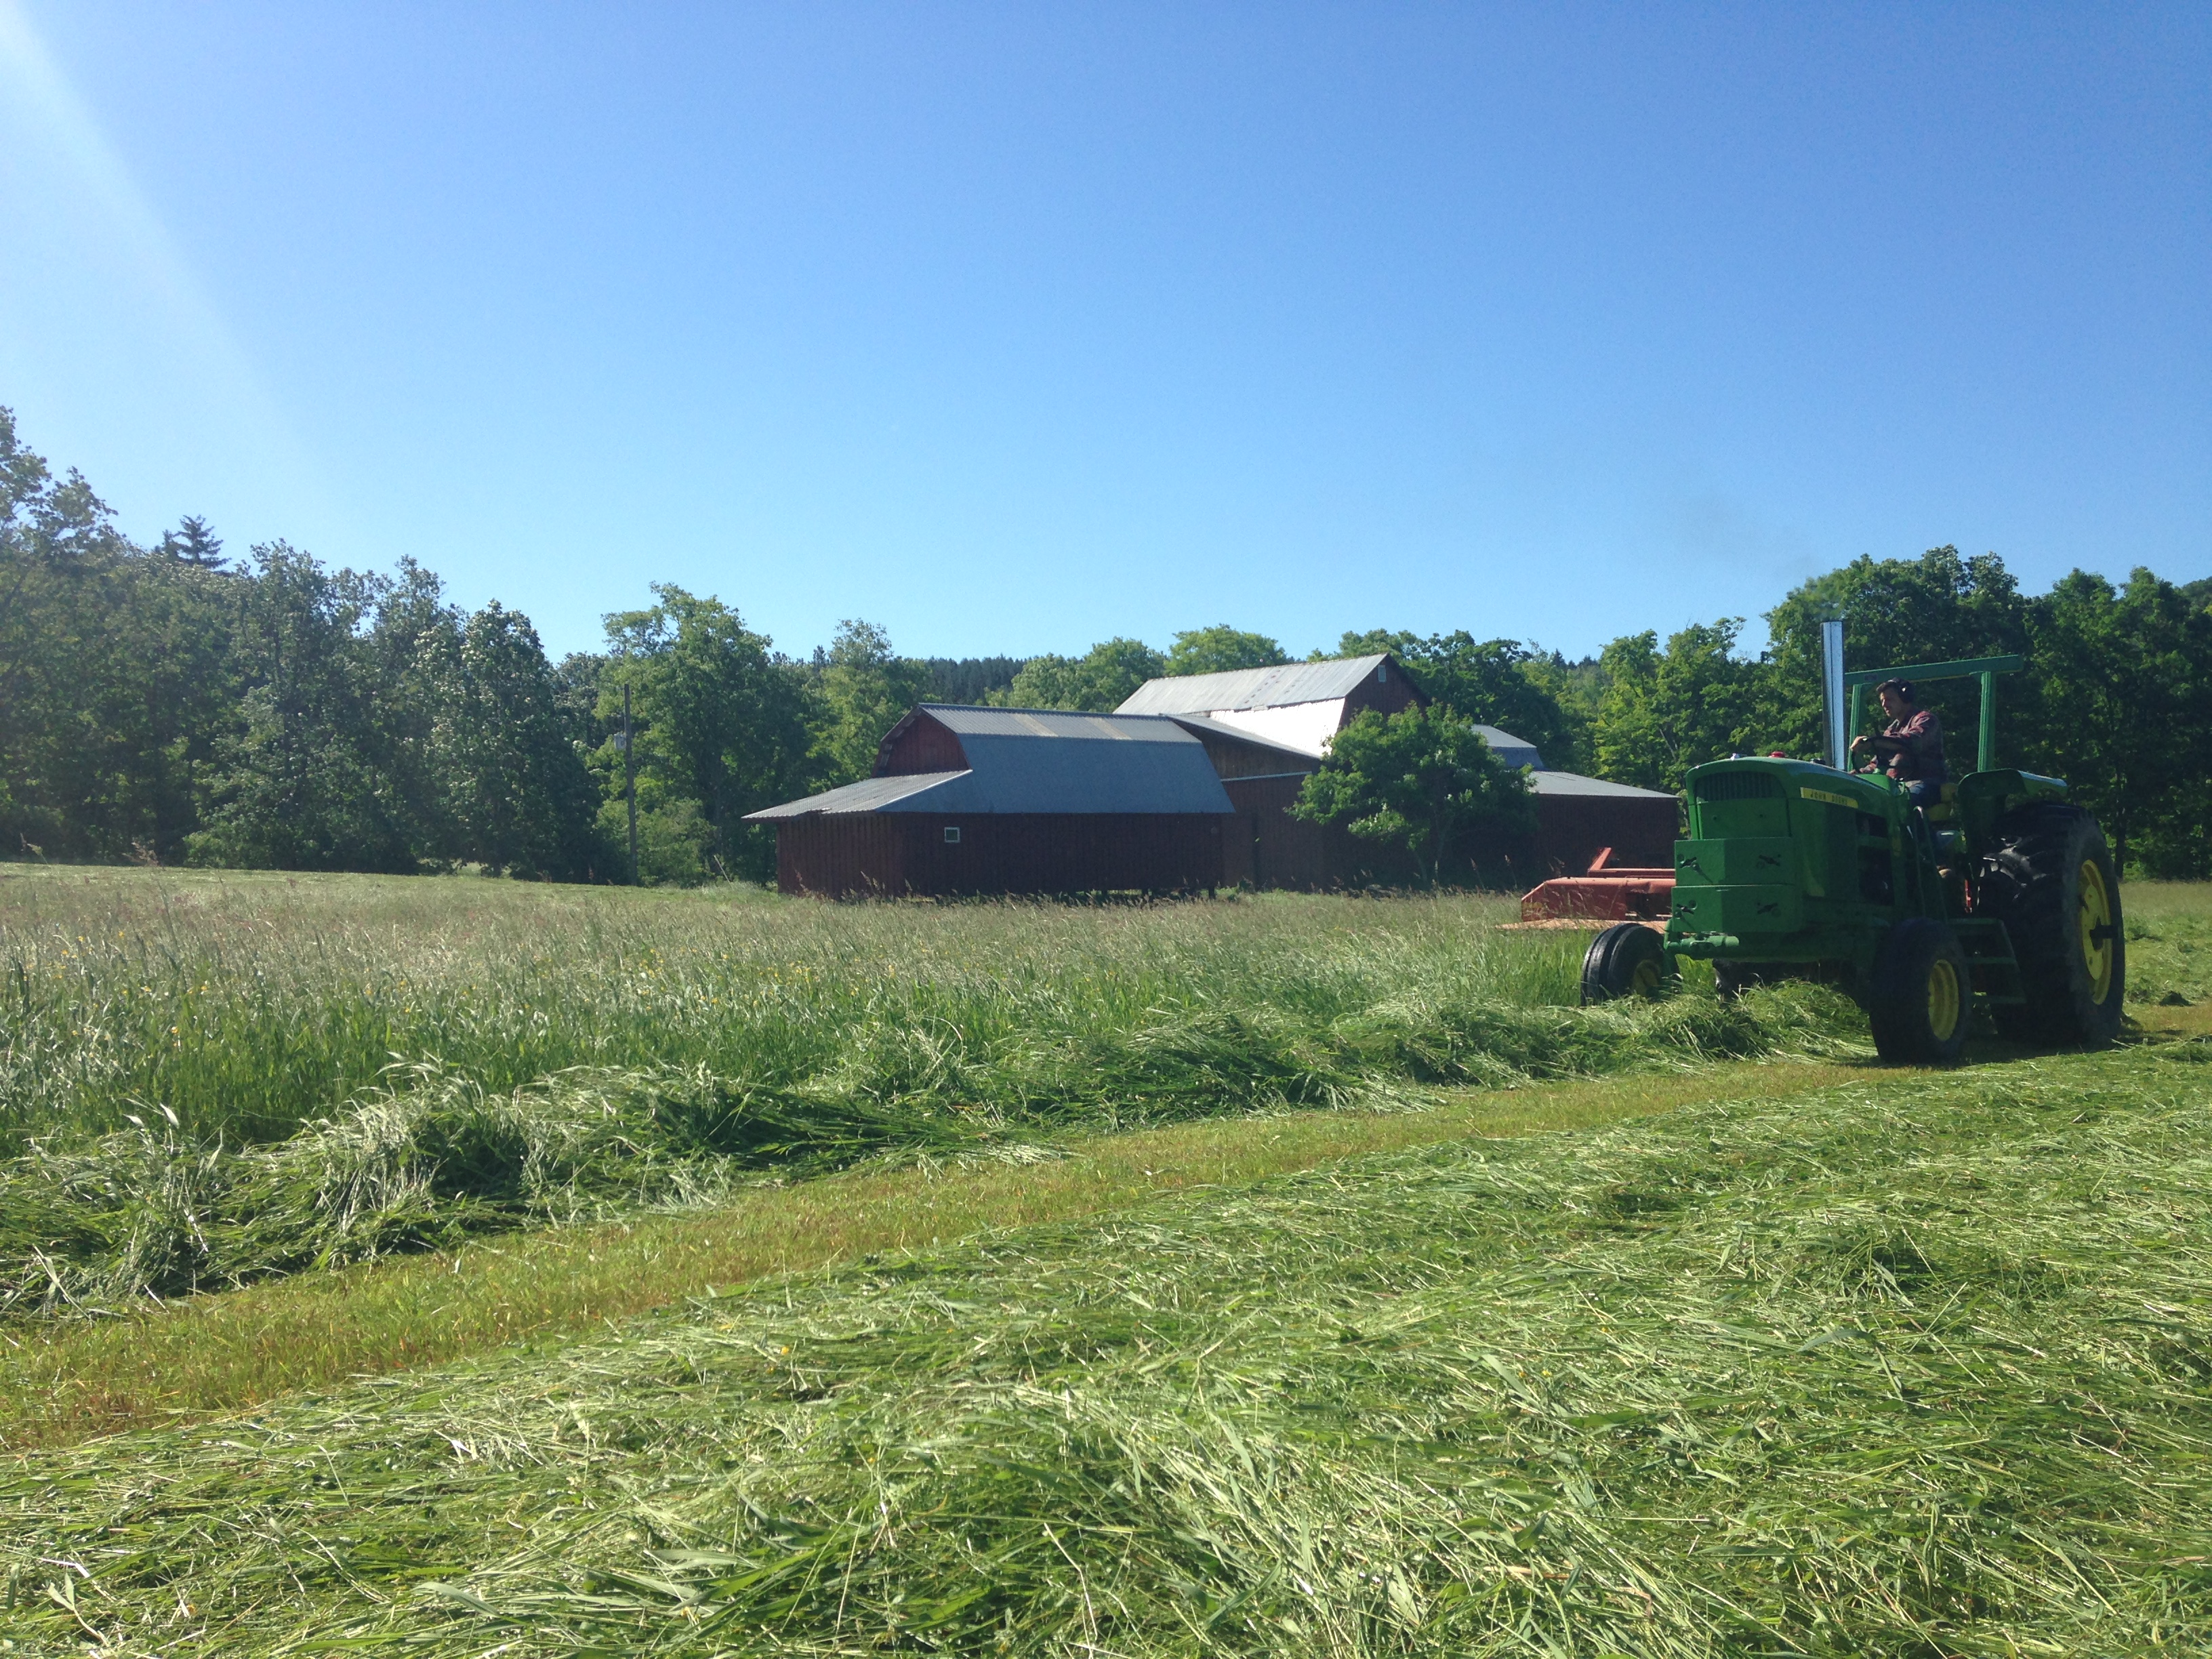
<point>67,1380</point>
<point>207,1081</point>
<point>1912,1365</point>
<point>2169,928</point>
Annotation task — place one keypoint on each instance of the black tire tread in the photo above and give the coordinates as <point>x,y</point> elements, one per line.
<point>1897,999</point>
<point>2024,882</point>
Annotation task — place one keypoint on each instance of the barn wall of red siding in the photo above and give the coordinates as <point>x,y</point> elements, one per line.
<point>837,856</point>
<point>922,743</point>
<point>1387,697</point>
<point>896,854</point>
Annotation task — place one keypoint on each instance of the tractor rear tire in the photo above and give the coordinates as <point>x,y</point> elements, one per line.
<point>1626,960</point>
<point>2053,883</point>
<point>1922,991</point>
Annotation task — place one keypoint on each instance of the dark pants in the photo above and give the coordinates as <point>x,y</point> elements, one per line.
<point>1924,792</point>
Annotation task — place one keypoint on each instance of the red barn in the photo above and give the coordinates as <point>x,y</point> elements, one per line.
<point>1012,800</point>
<point>1287,716</point>
<point>1187,785</point>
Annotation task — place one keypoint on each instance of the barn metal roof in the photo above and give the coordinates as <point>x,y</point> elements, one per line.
<point>1573,783</point>
<point>1042,760</point>
<point>1050,723</point>
<point>868,795</point>
<point>1514,752</point>
<point>1252,688</point>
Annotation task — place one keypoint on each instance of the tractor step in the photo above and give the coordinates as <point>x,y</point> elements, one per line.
<point>1989,955</point>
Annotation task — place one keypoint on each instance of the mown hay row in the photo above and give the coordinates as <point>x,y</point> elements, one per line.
<point>1913,1367</point>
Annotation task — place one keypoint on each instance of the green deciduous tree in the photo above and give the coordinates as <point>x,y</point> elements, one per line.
<point>1220,650</point>
<point>1664,712</point>
<point>512,786</point>
<point>723,720</point>
<point>1939,607</point>
<point>866,689</point>
<point>1491,682</point>
<point>1098,682</point>
<point>113,678</point>
<point>2122,709</point>
<point>1422,779</point>
<point>304,783</point>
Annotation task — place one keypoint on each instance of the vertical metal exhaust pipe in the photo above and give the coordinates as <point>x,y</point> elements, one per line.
<point>1831,684</point>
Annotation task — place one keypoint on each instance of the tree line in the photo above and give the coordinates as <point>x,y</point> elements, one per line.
<point>170,703</point>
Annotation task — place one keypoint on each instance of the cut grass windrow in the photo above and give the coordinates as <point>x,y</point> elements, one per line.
<point>435,1159</point>
<point>223,1353</point>
<point>1913,1365</point>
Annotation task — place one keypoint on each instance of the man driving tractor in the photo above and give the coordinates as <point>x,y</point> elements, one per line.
<point>1911,747</point>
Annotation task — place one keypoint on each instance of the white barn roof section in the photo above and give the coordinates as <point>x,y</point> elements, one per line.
<point>1253,687</point>
<point>1304,727</point>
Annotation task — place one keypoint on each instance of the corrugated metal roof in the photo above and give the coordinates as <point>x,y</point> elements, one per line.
<point>1573,783</point>
<point>1514,752</point>
<point>1252,688</point>
<point>868,795</point>
<point>964,720</point>
<point>1043,760</point>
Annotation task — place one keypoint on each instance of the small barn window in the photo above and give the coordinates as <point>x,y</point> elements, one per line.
<point>1382,672</point>
<point>951,834</point>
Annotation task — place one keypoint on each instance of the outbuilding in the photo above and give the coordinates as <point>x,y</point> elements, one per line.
<point>1288,715</point>
<point>1013,800</point>
<point>1188,785</point>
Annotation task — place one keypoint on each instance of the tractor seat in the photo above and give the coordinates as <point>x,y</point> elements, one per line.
<point>1947,808</point>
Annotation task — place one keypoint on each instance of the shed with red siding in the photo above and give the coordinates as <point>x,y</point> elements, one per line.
<point>1013,800</point>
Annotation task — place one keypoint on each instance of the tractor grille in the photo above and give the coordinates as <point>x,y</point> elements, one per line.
<point>1738,786</point>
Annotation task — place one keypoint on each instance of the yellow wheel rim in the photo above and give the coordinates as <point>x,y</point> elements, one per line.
<point>1945,1002</point>
<point>1644,981</point>
<point>2097,930</point>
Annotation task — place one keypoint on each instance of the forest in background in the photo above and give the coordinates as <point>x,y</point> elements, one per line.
<point>170,703</point>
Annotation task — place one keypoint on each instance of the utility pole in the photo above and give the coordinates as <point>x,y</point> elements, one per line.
<point>629,785</point>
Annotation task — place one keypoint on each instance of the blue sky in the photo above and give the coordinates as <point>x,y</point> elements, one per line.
<point>1013,327</point>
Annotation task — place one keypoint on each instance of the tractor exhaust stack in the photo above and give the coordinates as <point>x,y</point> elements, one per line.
<point>1831,684</point>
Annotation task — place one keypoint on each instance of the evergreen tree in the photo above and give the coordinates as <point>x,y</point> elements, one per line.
<point>194,543</point>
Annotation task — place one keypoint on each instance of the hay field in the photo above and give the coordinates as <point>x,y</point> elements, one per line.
<point>206,1080</point>
<point>1710,1337</point>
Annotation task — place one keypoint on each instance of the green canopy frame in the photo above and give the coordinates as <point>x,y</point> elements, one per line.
<point>1986,668</point>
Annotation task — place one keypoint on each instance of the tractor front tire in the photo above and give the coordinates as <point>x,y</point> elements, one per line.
<point>1626,960</point>
<point>2053,883</point>
<point>1920,994</point>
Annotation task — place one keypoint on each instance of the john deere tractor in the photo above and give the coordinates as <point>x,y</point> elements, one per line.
<point>2003,894</point>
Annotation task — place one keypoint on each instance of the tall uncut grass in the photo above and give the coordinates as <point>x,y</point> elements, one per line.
<point>1909,1367</point>
<point>207,1079</point>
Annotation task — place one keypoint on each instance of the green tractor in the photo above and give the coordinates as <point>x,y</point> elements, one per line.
<point>2004,892</point>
